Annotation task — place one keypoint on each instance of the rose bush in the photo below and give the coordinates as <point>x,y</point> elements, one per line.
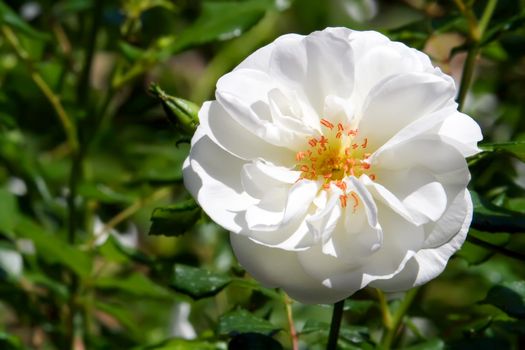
<point>337,161</point>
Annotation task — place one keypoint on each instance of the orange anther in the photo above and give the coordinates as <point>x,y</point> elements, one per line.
<point>300,156</point>
<point>339,134</point>
<point>327,176</point>
<point>342,198</point>
<point>365,143</point>
<point>355,145</point>
<point>356,200</point>
<point>340,127</point>
<point>352,132</point>
<point>323,140</point>
<point>326,185</point>
<point>366,155</point>
<point>312,142</point>
<point>304,168</point>
<point>327,124</point>
<point>372,177</point>
<point>365,165</point>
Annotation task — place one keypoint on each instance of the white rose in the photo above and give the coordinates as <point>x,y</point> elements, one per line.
<point>337,161</point>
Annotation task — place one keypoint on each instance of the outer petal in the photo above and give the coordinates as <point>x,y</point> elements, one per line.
<point>275,267</point>
<point>211,173</point>
<point>428,263</point>
<point>233,137</point>
<point>317,65</point>
<point>462,132</point>
<point>401,241</point>
<point>399,100</point>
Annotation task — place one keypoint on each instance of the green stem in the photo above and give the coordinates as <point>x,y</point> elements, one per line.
<point>476,31</point>
<point>466,77</point>
<point>83,83</point>
<point>54,100</point>
<point>385,311</point>
<point>388,337</point>
<point>335,325</point>
<point>487,15</point>
<point>289,315</point>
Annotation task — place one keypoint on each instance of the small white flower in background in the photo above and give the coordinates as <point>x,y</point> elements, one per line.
<point>337,161</point>
<point>11,262</point>
<point>180,326</point>
<point>129,238</point>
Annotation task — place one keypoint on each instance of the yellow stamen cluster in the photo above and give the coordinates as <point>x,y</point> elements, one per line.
<point>339,152</point>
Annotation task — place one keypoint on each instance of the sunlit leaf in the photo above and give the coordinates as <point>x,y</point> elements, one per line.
<point>222,20</point>
<point>135,284</point>
<point>198,282</point>
<point>515,148</point>
<point>242,321</point>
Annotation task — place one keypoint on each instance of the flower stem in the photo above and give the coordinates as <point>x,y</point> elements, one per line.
<point>291,326</point>
<point>388,337</point>
<point>476,31</point>
<point>335,325</point>
<point>385,311</point>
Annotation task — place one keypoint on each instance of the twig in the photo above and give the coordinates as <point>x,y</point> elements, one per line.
<point>335,325</point>
<point>293,333</point>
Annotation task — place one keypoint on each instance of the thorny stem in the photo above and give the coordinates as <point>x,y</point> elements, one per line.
<point>54,100</point>
<point>476,31</point>
<point>335,325</point>
<point>293,333</point>
<point>388,336</point>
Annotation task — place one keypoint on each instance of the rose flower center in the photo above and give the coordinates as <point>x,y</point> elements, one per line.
<point>339,152</point>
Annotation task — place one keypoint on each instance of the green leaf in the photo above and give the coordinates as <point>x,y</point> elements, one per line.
<point>123,314</point>
<point>197,282</point>
<point>52,249</point>
<point>353,334</point>
<point>253,341</point>
<point>491,218</point>
<point>9,342</point>
<point>514,148</point>
<point>10,17</point>
<point>222,20</point>
<point>433,344</point>
<point>183,344</point>
<point>104,194</point>
<point>242,321</point>
<point>8,211</point>
<point>509,297</point>
<point>176,219</point>
<point>135,284</point>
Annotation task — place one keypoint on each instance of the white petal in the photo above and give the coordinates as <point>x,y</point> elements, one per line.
<point>244,95</point>
<point>275,267</point>
<point>258,177</point>
<point>450,223</point>
<point>317,65</point>
<point>429,263</point>
<point>323,222</point>
<point>212,176</point>
<point>462,132</point>
<point>401,241</point>
<point>236,139</point>
<point>397,101</point>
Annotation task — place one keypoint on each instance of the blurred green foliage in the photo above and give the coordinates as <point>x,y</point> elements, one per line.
<point>101,247</point>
